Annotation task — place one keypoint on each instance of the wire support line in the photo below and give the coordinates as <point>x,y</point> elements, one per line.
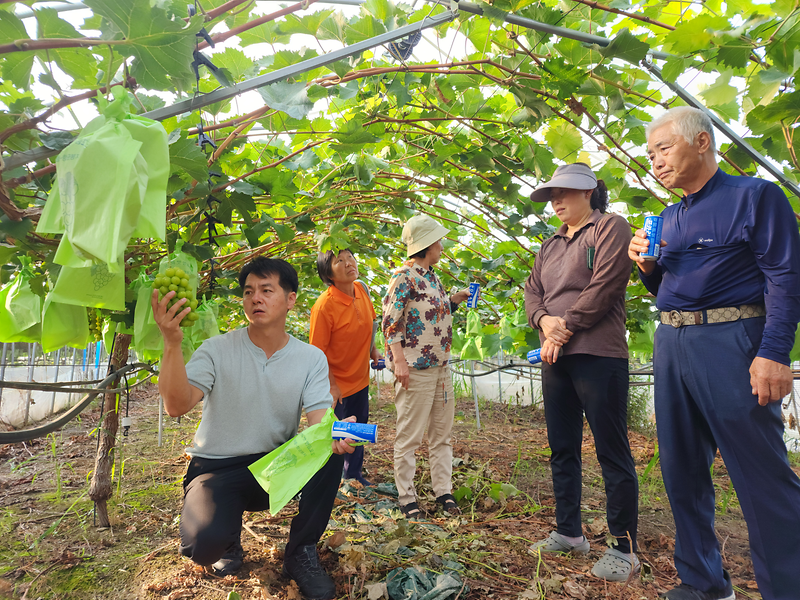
<point>25,435</point>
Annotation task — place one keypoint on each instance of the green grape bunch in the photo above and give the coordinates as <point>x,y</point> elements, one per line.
<point>95,324</point>
<point>176,280</point>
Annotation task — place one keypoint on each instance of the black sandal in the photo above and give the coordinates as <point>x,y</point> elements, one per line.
<point>449,504</point>
<point>410,510</point>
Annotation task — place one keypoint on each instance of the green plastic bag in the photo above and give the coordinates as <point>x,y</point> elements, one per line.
<point>111,185</point>
<point>20,308</point>
<point>469,351</point>
<point>206,326</point>
<point>102,180</point>
<point>147,339</point>
<point>474,326</point>
<point>155,151</point>
<point>92,286</point>
<point>284,471</point>
<point>63,325</point>
<point>180,260</point>
<point>412,584</point>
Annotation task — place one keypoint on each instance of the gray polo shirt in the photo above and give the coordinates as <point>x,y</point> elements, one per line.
<point>252,404</point>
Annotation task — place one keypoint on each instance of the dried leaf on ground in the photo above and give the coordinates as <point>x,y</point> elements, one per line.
<point>575,590</point>
<point>336,540</point>
<point>376,591</point>
<point>293,592</point>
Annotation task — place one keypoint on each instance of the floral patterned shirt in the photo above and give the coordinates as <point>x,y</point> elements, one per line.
<point>416,313</point>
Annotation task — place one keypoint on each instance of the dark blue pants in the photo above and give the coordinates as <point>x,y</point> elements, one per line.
<point>704,401</point>
<point>355,405</point>
<point>597,386</point>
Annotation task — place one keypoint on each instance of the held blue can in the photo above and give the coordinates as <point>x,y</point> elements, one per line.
<point>358,432</point>
<point>535,356</point>
<point>652,227</point>
<point>380,364</point>
<point>474,295</point>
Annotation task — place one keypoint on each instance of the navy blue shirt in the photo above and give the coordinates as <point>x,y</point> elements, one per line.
<point>733,242</point>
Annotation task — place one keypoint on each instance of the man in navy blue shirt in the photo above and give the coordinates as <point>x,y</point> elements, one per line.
<point>728,288</point>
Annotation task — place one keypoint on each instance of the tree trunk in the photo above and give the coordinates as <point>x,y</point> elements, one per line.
<point>101,489</point>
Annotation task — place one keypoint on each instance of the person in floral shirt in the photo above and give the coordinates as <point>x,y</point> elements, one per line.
<point>417,326</point>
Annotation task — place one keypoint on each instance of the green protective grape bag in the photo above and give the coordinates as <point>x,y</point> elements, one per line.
<point>469,351</point>
<point>20,308</point>
<point>147,339</point>
<point>206,326</point>
<point>474,326</point>
<point>109,331</point>
<point>63,325</point>
<point>179,260</point>
<point>102,181</point>
<point>284,471</point>
<point>125,197</point>
<point>92,286</point>
<point>50,220</point>
<point>155,151</point>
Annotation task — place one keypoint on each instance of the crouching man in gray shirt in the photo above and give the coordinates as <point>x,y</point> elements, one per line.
<point>253,383</point>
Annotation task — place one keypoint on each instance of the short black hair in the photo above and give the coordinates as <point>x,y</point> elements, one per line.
<point>264,267</point>
<point>421,254</point>
<point>324,262</point>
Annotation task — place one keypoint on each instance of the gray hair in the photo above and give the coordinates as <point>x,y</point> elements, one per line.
<point>687,122</point>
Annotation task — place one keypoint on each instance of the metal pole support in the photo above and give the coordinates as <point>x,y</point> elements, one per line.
<point>475,393</point>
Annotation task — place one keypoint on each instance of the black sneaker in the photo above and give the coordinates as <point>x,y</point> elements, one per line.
<point>303,566</point>
<point>687,592</point>
<point>231,561</point>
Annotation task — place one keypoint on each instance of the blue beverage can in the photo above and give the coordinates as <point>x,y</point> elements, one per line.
<point>535,356</point>
<point>358,432</point>
<point>652,227</point>
<point>377,366</point>
<point>474,295</point>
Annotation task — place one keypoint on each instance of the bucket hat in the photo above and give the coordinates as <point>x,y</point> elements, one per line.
<point>577,176</point>
<point>421,231</point>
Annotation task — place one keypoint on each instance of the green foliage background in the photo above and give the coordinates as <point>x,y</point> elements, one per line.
<point>341,156</point>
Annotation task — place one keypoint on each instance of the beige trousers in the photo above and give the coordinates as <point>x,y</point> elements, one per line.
<point>428,401</point>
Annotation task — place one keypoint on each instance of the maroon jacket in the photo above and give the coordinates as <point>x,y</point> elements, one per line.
<point>589,297</point>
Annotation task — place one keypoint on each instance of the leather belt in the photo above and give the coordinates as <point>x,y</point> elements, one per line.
<point>679,318</point>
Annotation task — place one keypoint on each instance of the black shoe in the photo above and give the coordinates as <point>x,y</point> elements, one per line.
<point>303,566</point>
<point>231,561</point>
<point>687,592</point>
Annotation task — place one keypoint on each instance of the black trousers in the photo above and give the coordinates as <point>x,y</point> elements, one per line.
<point>216,492</point>
<point>597,386</point>
<point>355,405</point>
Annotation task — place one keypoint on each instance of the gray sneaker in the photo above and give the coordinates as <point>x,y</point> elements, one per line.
<point>616,566</point>
<point>555,542</point>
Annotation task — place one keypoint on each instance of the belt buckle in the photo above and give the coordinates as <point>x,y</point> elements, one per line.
<point>675,318</point>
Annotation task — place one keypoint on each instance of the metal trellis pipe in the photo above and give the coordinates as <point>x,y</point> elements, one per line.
<point>589,39</point>
<point>772,169</point>
<point>225,93</point>
<point>3,372</point>
<point>32,365</point>
<point>58,364</point>
<point>475,393</point>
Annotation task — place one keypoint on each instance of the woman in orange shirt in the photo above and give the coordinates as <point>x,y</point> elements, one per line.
<point>342,327</point>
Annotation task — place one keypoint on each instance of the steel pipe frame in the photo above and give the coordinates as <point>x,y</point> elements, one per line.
<point>27,13</point>
<point>225,93</point>
<point>21,158</point>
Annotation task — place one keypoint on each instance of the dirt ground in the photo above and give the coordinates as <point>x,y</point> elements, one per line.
<point>49,547</point>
